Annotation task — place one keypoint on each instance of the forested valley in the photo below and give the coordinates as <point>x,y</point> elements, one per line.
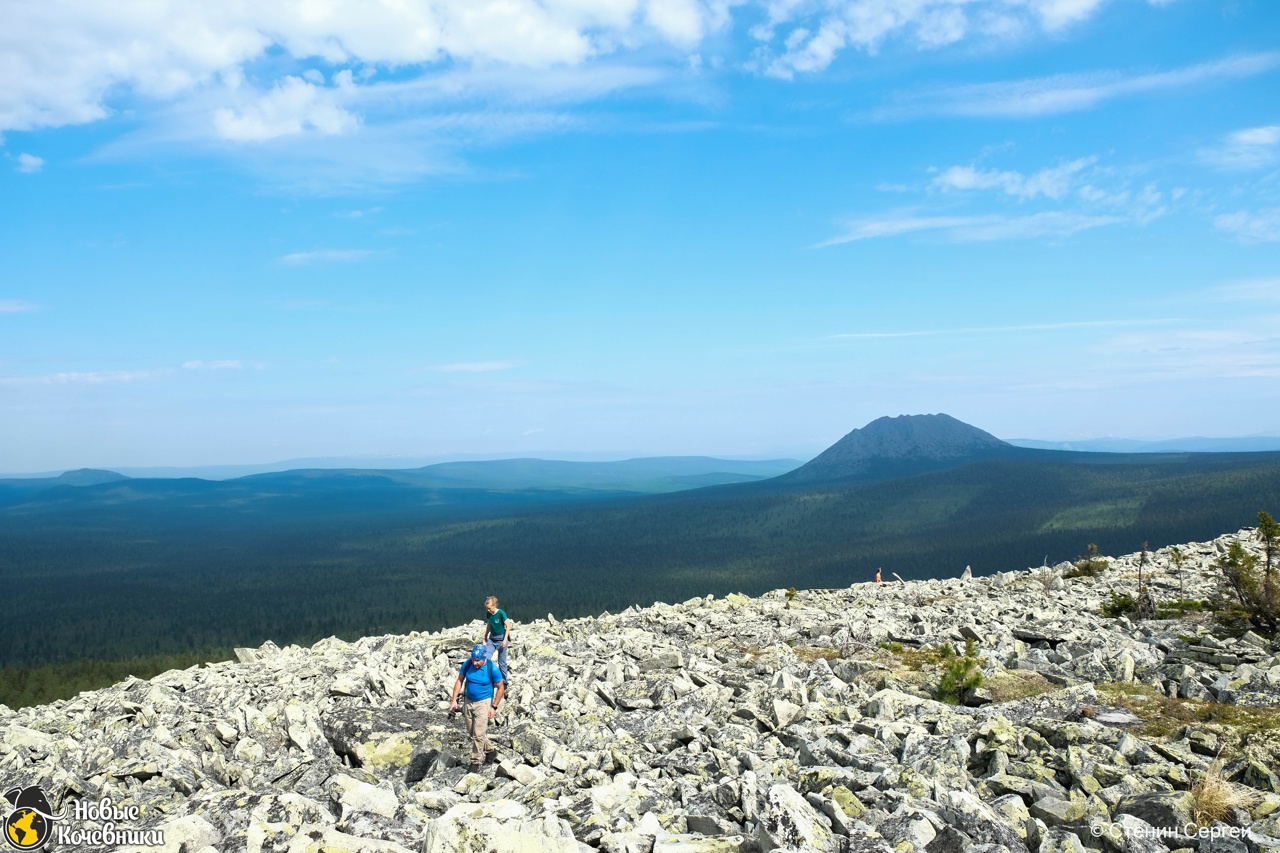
<point>176,582</point>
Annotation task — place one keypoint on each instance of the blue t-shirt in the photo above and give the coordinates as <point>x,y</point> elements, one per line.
<point>480,680</point>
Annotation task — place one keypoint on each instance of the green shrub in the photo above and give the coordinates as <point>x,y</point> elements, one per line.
<point>1088,567</point>
<point>1256,594</point>
<point>1121,604</point>
<point>1180,607</point>
<point>960,674</point>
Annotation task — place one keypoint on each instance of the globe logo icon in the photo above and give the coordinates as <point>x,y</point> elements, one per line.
<point>26,829</point>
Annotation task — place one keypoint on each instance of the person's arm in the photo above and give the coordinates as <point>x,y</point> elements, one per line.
<point>453,700</point>
<point>506,627</point>
<point>497,697</point>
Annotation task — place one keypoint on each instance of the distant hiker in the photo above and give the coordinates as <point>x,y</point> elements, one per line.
<point>498,633</point>
<point>484,690</point>
<point>877,575</point>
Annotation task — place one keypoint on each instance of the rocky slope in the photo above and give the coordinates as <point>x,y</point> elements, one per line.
<point>797,722</point>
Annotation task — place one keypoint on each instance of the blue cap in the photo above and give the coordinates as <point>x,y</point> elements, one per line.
<point>478,653</point>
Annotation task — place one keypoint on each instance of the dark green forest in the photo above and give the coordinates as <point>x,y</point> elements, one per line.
<point>109,575</point>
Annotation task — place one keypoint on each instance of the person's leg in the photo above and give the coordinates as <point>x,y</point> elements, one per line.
<point>480,743</point>
<point>475,717</point>
<point>490,648</point>
<point>502,661</point>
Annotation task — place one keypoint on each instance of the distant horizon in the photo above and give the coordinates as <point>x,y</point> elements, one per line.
<point>410,461</point>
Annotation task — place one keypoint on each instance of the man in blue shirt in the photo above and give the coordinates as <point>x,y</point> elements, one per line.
<point>484,689</point>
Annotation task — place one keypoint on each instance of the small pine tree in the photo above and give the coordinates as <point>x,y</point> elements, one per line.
<point>960,675</point>
<point>1258,594</point>
<point>1178,558</point>
<point>1269,534</point>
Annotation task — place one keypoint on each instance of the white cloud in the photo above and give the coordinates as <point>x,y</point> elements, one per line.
<point>973,229</point>
<point>681,21</point>
<point>1262,226</point>
<point>1246,149</point>
<point>1064,93</point>
<point>292,107</point>
<point>819,31</point>
<point>1052,183</point>
<point>1056,14</point>
<point>15,306</point>
<point>29,163</point>
<point>69,62</point>
<point>473,367</point>
<point>325,256</point>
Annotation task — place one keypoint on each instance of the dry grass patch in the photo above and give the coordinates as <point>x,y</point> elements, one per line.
<point>1215,797</point>
<point>1011,685</point>
<point>1164,717</point>
<point>809,654</point>
<point>898,656</point>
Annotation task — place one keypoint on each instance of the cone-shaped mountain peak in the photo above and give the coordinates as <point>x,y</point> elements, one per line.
<point>908,444</point>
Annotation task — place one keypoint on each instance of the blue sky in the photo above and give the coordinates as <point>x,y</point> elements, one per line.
<point>243,232</point>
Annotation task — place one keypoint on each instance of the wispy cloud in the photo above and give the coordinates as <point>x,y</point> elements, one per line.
<point>812,35</point>
<point>973,229</point>
<point>325,256</point>
<point>1246,149</point>
<point>1261,226</point>
<point>30,164</point>
<point>16,306</point>
<point>991,330</point>
<point>1257,290</point>
<point>89,378</point>
<point>1063,93</point>
<point>1052,183</point>
<point>224,364</point>
<point>473,366</point>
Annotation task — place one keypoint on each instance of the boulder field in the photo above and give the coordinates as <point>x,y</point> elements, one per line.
<point>798,720</point>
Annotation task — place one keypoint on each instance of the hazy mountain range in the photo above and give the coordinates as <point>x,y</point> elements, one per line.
<point>159,566</point>
<point>1242,444</point>
<point>1239,444</point>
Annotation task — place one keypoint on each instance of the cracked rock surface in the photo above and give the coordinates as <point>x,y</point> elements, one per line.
<point>803,722</point>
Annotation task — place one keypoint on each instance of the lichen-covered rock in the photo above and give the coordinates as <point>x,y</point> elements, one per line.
<point>1170,810</point>
<point>707,725</point>
<point>498,826</point>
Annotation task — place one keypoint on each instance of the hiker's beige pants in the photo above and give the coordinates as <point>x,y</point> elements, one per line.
<point>476,715</point>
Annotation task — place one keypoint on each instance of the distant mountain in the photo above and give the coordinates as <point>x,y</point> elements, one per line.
<point>889,448</point>
<point>88,477</point>
<point>648,475</point>
<point>79,478</point>
<point>498,481</point>
<point>1245,444</point>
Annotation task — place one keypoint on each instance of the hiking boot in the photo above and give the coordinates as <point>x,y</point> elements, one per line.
<point>491,757</point>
